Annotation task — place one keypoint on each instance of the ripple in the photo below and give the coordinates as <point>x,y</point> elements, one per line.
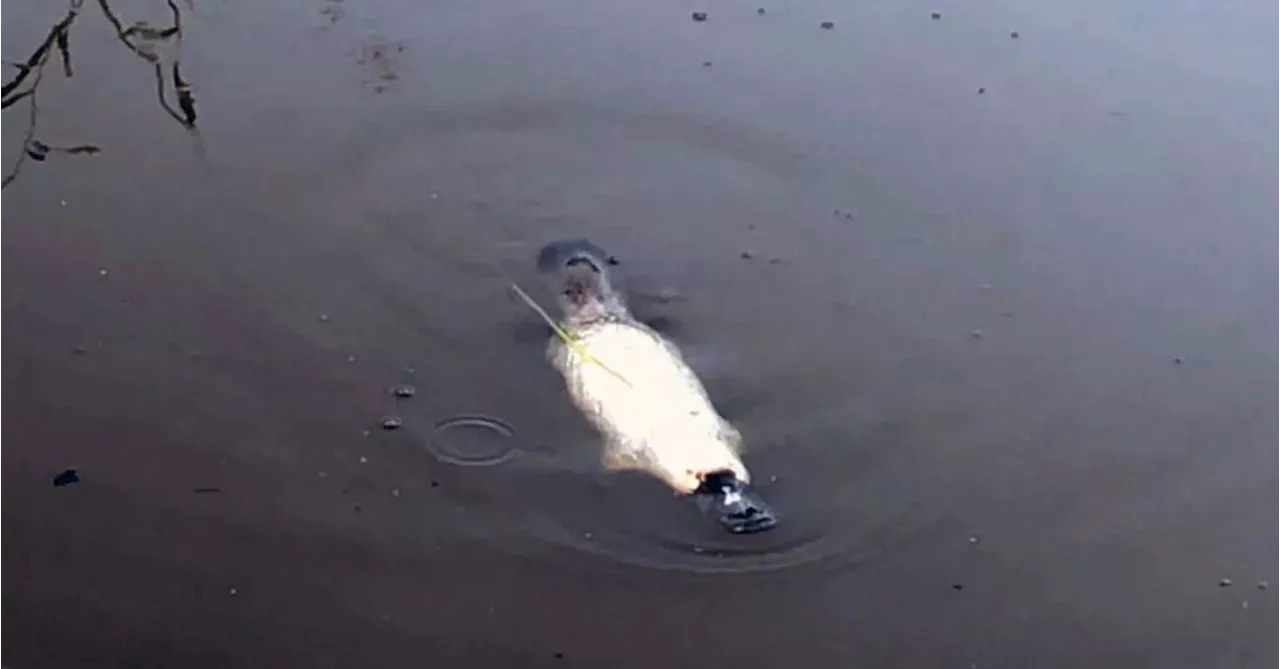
<point>839,509</point>
<point>805,549</point>
<point>473,441</point>
<point>639,530</point>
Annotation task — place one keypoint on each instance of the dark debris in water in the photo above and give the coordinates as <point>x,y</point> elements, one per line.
<point>381,61</point>
<point>827,25</point>
<point>404,391</point>
<point>699,16</point>
<point>957,586</point>
<point>67,477</point>
<point>333,11</point>
<point>1014,35</point>
<point>760,11</point>
<point>935,15</point>
<point>38,150</point>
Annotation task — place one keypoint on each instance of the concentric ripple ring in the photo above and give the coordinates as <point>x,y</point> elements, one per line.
<point>444,441</point>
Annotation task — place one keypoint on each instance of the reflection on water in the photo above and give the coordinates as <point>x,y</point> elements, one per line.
<point>159,47</point>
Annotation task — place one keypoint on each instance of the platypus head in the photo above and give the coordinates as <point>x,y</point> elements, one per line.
<point>580,278</point>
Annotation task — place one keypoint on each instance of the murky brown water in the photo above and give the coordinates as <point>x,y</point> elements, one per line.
<point>993,313</point>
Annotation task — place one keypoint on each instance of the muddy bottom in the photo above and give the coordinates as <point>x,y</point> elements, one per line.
<point>1003,363</point>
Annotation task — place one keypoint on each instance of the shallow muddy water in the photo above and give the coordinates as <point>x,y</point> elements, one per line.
<point>990,296</point>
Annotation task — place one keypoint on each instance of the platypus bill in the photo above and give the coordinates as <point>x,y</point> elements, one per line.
<point>633,385</point>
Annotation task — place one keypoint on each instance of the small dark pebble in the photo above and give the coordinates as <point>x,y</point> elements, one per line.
<point>848,216</point>
<point>435,484</point>
<point>760,11</point>
<point>1014,35</point>
<point>935,15</point>
<point>976,334</point>
<point>699,16</point>
<point>957,586</point>
<point>982,91</point>
<point>613,260</point>
<point>1262,585</point>
<point>1178,360</point>
<point>775,261</point>
<point>404,392</point>
<point>205,491</point>
<point>1224,583</point>
<point>392,423</point>
<point>558,655</point>
<point>746,255</point>
<point>706,63</point>
<point>827,25</point>
<point>356,508</point>
<point>67,477</point>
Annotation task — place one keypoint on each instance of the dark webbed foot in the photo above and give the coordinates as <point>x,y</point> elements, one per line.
<point>733,504</point>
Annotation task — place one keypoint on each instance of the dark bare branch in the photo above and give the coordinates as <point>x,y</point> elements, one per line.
<point>31,73</point>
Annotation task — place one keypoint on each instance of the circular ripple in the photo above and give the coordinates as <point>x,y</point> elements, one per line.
<point>787,551</point>
<point>473,441</point>
<point>839,531</point>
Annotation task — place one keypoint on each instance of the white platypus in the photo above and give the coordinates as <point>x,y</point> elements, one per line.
<point>633,385</point>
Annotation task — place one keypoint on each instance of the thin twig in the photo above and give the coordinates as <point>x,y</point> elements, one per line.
<point>33,111</point>
<point>32,72</point>
<point>9,101</point>
<point>188,118</point>
<point>35,64</point>
<point>564,335</point>
<point>64,49</point>
<point>120,33</point>
<point>37,57</point>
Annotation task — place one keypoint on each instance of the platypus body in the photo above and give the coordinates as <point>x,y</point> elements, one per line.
<point>634,387</point>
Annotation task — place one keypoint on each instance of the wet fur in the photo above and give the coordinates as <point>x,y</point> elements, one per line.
<point>659,419</point>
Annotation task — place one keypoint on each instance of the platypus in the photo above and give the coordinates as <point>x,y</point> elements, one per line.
<point>634,387</point>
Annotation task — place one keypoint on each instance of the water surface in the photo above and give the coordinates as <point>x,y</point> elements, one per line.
<point>994,314</point>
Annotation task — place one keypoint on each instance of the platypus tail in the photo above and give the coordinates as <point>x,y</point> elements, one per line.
<point>581,278</point>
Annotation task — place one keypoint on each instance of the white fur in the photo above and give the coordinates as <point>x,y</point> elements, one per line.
<point>659,419</point>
